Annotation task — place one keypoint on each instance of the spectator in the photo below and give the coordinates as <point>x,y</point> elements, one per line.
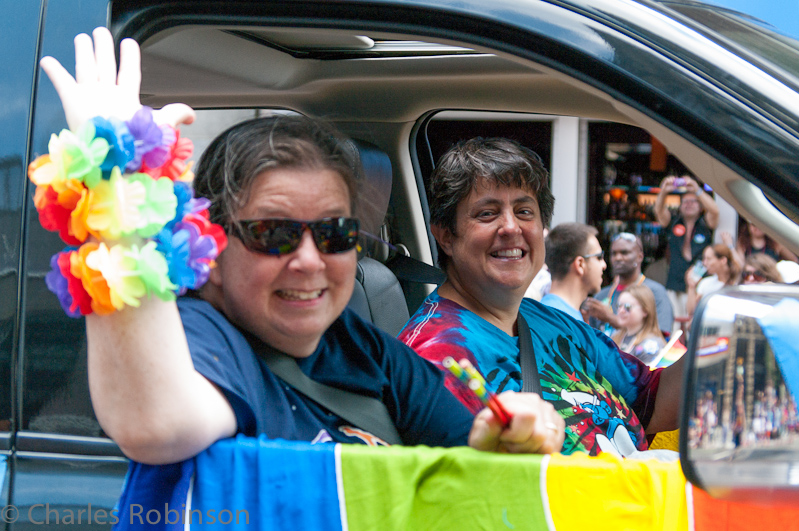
<point>626,257</point>
<point>490,202</point>
<point>688,233</point>
<point>639,333</point>
<point>542,282</point>
<point>760,268</point>
<point>752,240</point>
<point>576,263</point>
<point>722,270</point>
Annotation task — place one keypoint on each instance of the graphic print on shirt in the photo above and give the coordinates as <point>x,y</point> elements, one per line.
<point>365,436</point>
<point>597,420</point>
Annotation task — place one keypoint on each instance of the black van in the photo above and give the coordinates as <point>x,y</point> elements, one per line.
<point>718,89</point>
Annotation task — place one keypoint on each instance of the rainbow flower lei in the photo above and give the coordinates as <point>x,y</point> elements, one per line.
<point>118,194</point>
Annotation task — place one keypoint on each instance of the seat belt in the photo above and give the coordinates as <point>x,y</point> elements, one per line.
<point>531,381</point>
<point>364,412</point>
<point>413,270</point>
<point>405,267</point>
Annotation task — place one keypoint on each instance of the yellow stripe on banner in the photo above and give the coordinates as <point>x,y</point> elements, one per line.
<point>609,493</point>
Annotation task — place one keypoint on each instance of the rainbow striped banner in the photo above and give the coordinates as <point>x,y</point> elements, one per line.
<point>248,483</point>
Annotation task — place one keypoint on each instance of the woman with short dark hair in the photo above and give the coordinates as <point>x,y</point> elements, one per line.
<point>490,201</point>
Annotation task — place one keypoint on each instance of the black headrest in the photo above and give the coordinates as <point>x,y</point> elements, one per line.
<point>376,191</point>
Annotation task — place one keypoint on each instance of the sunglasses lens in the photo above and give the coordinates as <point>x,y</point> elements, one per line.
<point>272,236</point>
<point>283,236</point>
<point>335,235</point>
<point>753,275</point>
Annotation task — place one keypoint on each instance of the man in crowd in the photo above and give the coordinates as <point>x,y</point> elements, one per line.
<point>576,262</point>
<point>626,257</point>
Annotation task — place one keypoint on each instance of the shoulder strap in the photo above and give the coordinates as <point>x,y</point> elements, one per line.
<point>531,382</point>
<point>413,270</point>
<point>367,413</point>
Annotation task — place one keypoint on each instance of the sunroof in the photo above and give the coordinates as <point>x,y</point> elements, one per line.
<point>337,45</point>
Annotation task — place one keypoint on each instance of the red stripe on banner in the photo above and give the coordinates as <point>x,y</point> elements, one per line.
<point>711,514</point>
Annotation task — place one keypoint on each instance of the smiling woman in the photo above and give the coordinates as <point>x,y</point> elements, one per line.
<point>489,203</point>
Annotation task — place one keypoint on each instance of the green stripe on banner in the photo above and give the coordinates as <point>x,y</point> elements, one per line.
<point>401,488</point>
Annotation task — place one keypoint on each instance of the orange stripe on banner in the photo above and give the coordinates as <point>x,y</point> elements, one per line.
<point>711,514</point>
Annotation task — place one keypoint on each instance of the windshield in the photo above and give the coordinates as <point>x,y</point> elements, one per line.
<point>759,41</point>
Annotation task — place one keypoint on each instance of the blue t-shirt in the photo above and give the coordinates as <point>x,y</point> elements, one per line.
<point>353,355</point>
<point>557,302</point>
<point>600,391</point>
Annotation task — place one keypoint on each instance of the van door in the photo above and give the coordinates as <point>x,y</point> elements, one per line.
<point>65,471</point>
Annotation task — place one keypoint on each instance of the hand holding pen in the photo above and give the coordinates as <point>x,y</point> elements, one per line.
<point>513,422</point>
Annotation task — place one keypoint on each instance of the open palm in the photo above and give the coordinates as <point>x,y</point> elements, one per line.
<point>98,90</point>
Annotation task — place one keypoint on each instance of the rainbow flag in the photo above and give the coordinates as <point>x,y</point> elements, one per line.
<point>248,483</point>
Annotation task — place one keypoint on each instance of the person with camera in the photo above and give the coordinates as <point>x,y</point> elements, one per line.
<point>688,231</point>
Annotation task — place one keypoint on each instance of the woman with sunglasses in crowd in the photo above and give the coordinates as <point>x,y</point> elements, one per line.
<point>721,268</point>
<point>168,378</point>
<point>639,333</point>
<point>760,268</point>
<point>752,240</point>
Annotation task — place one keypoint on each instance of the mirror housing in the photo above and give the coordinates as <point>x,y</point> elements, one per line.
<point>739,431</point>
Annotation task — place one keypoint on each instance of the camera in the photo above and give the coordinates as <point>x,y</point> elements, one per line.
<point>679,181</point>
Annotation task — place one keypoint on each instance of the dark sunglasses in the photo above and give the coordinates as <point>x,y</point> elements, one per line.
<point>753,275</point>
<point>278,236</point>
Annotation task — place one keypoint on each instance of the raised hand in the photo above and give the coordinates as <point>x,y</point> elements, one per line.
<point>98,89</point>
<point>667,185</point>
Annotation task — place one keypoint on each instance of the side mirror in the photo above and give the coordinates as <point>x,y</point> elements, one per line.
<point>739,430</point>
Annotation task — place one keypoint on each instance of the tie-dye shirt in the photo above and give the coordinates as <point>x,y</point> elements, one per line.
<point>600,391</point>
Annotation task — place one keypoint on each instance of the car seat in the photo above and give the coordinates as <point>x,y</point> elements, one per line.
<point>378,295</point>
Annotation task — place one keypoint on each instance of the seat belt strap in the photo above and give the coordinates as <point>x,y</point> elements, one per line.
<point>364,412</point>
<point>531,381</point>
<point>413,270</point>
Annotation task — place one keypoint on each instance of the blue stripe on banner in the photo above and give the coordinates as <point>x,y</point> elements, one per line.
<point>154,497</point>
<point>248,483</point>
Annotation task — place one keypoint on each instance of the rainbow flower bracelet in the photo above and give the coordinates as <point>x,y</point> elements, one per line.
<point>119,195</point>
